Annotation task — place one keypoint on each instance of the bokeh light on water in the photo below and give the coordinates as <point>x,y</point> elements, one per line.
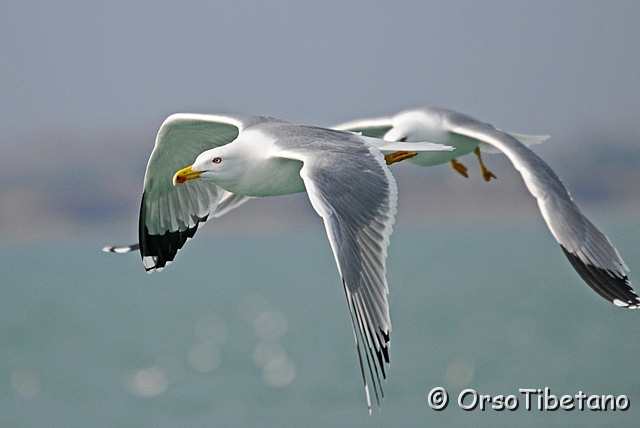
<point>211,329</point>
<point>147,382</point>
<point>211,332</point>
<point>153,380</point>
<point>25,383</point>
<point>521,331</point>
<point>269,326</point>
<point>204,357</point>
<point>90,347</point>
<point>459,373</point>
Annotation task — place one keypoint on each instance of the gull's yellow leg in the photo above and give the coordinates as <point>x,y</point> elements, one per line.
<point>486,174</point>
<point>459,167</point>
<point>398,156</point>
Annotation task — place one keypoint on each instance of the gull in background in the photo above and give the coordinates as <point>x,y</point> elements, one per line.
<point>345,176</point>
<point>589,251</point>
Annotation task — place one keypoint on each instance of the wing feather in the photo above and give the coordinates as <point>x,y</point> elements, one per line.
<point>351,188</point>
<point>589,251</point>
<point>169,215</point>
<point>375,128</point>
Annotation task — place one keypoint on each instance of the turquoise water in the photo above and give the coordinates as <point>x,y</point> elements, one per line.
<point>254,331</point>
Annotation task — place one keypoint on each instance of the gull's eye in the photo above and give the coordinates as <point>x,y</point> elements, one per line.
<point>216,160</point>
<point>403,139</point>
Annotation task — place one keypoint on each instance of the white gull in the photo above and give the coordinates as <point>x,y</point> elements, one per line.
<point>589,251</point>
<point>345,176</point>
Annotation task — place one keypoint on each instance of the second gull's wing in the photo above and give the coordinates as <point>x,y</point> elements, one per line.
<point>375,128</point>
<point>590,252</point>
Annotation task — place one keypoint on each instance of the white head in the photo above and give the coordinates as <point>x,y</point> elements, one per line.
<point>404,131</point>
<point>217,165</point>
<point>415,125</point>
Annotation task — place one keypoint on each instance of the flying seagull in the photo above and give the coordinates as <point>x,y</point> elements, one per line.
<point>589,250</point>
<point>197,158</point>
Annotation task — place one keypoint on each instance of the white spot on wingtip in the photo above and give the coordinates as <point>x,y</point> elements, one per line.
<point>148,262</point>
<point>620,303</point>
<point>366,391</point>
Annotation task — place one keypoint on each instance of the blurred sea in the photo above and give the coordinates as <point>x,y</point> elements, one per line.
<point>254,331</point>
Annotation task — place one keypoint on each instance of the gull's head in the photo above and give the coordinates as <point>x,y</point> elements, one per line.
<point>415,126</point>
<point>404,131</point>
<point>213,165</point>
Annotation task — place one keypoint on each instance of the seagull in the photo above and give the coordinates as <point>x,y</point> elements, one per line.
<point>406,125</point>
<point>345,176</point>
<point>589,251</point>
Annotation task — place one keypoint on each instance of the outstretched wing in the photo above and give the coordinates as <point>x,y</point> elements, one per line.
<point>169,214</point>
<point>589,250</point>
<point>379,126</point>
<point>228,202</point>
<point>351,188</point>
<point>375,128</point>
<point>527,140</point>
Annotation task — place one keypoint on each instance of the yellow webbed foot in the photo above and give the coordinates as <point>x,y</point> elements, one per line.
<point>486,174</point>
<point>398,156</point>
<point>459,167</point>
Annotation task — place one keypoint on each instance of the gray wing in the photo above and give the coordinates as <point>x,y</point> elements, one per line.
<point>169,214</point>
<point>351,188</point>
<point>589,250</point>
<point>375,128</point>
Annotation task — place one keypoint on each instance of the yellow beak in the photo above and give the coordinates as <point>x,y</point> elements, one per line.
<point>185,174</point>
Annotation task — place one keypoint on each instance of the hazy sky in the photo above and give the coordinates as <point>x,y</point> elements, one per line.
<point>84,86</point>
<point>556,67</point>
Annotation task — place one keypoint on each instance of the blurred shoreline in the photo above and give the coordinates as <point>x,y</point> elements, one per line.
<point>57,186</point>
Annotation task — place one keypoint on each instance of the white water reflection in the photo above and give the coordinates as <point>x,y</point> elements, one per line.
<point>279,372</point>
<point>211,329</point>
<point>25,383</point>
<point>204,357</point>
<point>267,352</point>
<point>459,373</point>
<point>148,382</point>
<point>270,326</point>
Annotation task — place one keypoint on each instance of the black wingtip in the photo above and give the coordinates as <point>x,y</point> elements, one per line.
<point>613,287</point>
<point>375,358</point>
<point>162,249</point>
<point>157,251</point>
